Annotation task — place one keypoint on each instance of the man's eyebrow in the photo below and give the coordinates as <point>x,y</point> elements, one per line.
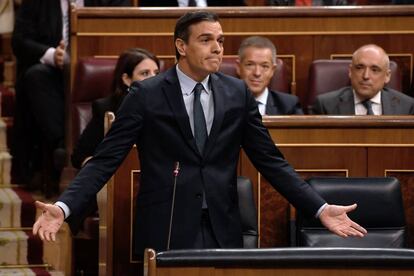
<point>221,36</point>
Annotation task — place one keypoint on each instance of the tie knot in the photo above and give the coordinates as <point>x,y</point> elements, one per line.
<point>198,88</point>
<point>368,105</point>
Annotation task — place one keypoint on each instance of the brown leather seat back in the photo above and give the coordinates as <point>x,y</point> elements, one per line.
<point>93,79</point>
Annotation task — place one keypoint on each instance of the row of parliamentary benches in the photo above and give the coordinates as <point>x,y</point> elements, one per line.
<point>94,75</point>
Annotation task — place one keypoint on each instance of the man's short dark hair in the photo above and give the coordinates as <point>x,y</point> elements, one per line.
<point>191,18</point>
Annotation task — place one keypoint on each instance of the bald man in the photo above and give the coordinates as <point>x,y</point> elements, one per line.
<point>369,73</point>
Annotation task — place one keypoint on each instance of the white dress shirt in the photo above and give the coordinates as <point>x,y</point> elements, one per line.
<point>262,101</point>
<point>199,3</point>
<point>187,85</point>
<point>375,101</point>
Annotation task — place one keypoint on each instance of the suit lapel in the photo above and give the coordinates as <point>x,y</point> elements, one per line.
<point>271,108</point>
<point>172,91</point>
<point>218,97</point>
<point>346,104</point>
<point>388,103</point>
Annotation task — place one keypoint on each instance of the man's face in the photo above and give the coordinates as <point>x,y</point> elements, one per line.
<point>256,68</point>
<point>368,72</point>
<point>203,52</point>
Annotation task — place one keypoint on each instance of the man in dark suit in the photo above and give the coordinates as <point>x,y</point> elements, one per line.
<point>256,66</point>
<point>200,118</point>
<point>369,72</point>
<point>39,42</point>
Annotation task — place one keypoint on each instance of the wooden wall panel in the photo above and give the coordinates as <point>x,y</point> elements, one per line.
<point>398,163</point>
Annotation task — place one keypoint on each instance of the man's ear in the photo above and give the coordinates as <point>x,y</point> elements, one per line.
<point>238,67</point>
<point>181,46</point>
<point>387,76</point>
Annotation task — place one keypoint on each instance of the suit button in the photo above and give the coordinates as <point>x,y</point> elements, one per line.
<point>199,195</point>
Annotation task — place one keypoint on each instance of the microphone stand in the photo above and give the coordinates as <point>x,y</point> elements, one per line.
<point>175,173</point>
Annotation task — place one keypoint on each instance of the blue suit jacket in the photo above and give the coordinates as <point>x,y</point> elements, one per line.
<point>155,119</point>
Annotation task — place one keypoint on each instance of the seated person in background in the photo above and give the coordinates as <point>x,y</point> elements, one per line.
<point>369,72</point>
<point>190,3</point>
<point>256,66</point>
<point>134,64</point>
<point>311,2</point>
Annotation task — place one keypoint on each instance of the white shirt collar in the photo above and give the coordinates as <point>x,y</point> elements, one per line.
<point>262,98</point>
<point>376,99</point>
<point>187,84</point>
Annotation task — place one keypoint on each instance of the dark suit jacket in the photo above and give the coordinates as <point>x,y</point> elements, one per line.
<point>341,102</point>
<point>174,3</point>
<point>94,132</point>
<point>282,104</point>
<point>156,120</point>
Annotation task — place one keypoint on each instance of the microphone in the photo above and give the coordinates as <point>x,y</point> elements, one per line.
<point>175,174</point>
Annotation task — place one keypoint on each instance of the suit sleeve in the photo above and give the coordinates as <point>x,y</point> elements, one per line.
<point>271,163</point>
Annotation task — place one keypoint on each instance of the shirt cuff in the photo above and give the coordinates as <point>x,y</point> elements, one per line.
<point>64,207</point>
<point>49,57</point>
<point>320,210</point>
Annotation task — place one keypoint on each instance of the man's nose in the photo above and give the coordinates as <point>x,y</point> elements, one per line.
<point>366,73</point>
<point>217,48</point>
<point>257,71</point>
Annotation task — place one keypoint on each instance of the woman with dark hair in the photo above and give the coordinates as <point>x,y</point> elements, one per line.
<point>134,64</point>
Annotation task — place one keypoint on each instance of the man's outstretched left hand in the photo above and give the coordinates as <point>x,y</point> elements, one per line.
<point>335,218</point>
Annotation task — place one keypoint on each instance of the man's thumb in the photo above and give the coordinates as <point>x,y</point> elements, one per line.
<point>350,208</point>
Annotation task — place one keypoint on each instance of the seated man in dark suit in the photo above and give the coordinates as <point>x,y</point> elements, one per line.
<point>256,66</point>
<point>369,73</point>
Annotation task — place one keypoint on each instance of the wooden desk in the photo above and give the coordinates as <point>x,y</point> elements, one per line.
<point>314,145</point>
<point>280,261</point>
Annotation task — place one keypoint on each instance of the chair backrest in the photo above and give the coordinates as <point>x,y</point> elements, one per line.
<point>248,212</point>
<point>380,210</point>
<point>326,75</point>
<point>93,79</point>
<point>279,80</point>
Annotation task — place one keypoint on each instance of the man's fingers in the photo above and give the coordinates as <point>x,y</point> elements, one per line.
<point>62,44</point>
<point>41,234</point>
<point>40,205</point>
<point>341,233</point>
<point>53,236</point>
<point>359,227</point>
<point>36,227</point>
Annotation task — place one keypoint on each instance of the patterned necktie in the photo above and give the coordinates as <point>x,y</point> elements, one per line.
<point>200,129</point>
<point>368,106</point>
<point>192,3</point>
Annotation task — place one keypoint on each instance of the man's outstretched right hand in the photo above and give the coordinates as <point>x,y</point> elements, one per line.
<point>49,222</point>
